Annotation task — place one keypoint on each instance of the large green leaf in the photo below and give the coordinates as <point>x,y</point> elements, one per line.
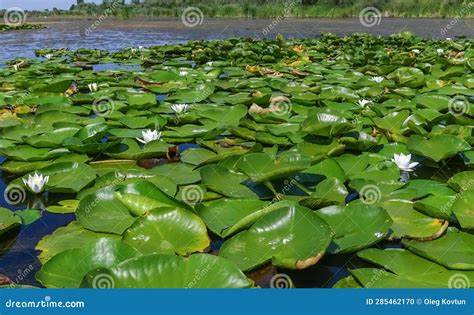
<point>453,250</point>
<point>463,208</point>
<point>409,270</point>
<point>326,123</point>
<point>170,271</point>
<point>291,237</point>
<point>103,212</point>
<point>68,237</point>
<point>356,225</point>
<point>261,167</point>
<point>409,223</point>
<point>66,269</point>
<point>68,177</point>
<point>225,182</point>
<point>168,231</point>
<point>8,221</point>
<point>438,148</point>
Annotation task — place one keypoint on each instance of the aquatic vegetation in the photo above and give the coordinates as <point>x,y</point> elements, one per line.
<point>25,26</point>
<point>208,162</point>
<point>276,8</point>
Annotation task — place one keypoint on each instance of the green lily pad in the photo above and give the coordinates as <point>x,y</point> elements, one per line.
<point>463,208</point>
<point>226,217</point>
<point>261,167</point>
<point>291,237</point>
<point>67,177</point>
<point>66,269</point>
<point>103,212</point>
<point>74,235</point>
<point>329,192</point>
<point>180,173</point>
<point>8,221</point>
<point>168,231</point>
<point>438,148</point>
<point>65,206</point>
<point>170,271</point>
<point>356,225</point>
<point>29,216</point>
<point>462,181</point>
<point>453,250</point>
<point>226,182</point>
<point>409,223</point>
<point>409,270</point>
<point>326,123</point>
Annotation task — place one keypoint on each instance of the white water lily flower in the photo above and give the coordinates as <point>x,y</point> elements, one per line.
<point>210,63</point>
<point>440,51</point>
<point>48,56</point>
<point>36,182</point>
<point>416,51</point>
<point>363,103</point>
<point>183,73</point>
<point>180,108</point>
<point>377,79</point>
<point>16,67</point>
<point>140,47</point>
<point>448,38</point>
<point>149,135</point>
<point>93,87</point>
<point>404,162</point>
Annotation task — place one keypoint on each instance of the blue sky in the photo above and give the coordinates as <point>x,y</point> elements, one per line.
<point>40,4</point>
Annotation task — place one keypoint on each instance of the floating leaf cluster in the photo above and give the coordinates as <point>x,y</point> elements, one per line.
<point>194,165</point>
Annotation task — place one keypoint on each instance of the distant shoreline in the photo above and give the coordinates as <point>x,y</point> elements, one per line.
<point>48,19</point>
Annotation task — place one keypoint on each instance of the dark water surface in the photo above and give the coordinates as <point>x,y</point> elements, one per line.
<point>113,35</point>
